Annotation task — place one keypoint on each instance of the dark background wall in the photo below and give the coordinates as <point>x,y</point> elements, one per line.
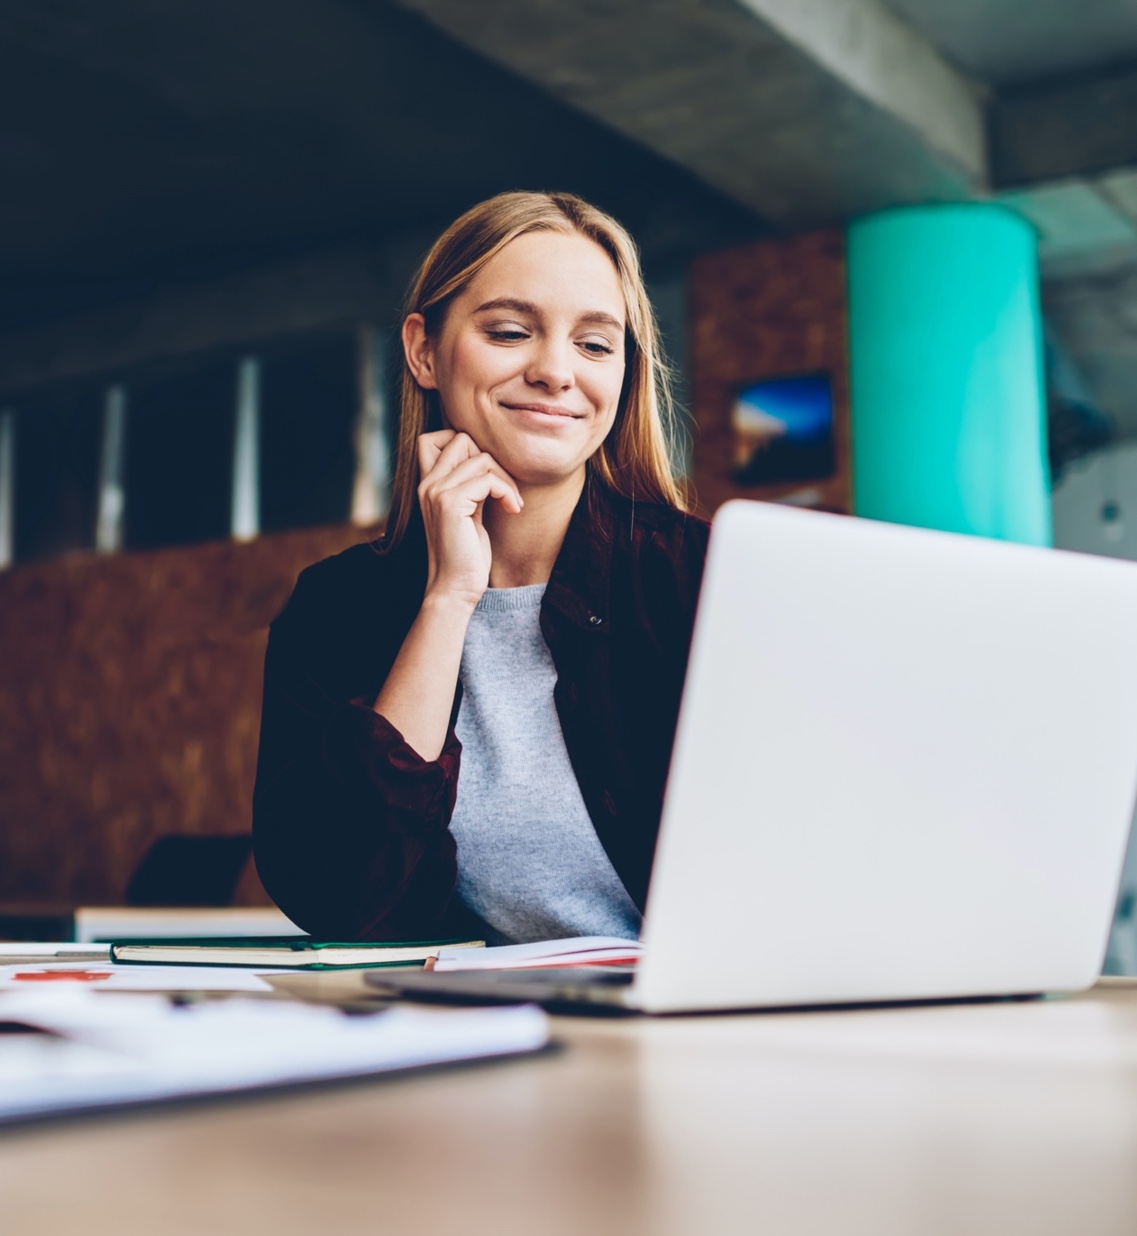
<point>187,184</point>
<point>130,688</point>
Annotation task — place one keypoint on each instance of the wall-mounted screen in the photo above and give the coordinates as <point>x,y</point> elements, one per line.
<point>783,431</point>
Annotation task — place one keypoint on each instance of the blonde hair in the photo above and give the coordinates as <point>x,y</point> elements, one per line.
<point>634,460</point>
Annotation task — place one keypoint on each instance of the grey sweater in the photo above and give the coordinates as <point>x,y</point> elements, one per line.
<point>529,861</point>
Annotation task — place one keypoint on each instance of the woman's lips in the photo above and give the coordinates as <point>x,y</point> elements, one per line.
<point>544,409</point>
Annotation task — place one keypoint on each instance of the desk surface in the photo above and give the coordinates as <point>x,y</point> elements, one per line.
<point>968,1119</point>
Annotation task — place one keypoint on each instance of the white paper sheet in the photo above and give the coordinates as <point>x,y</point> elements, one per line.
<point>141,1048</point>
<point>108,976</point>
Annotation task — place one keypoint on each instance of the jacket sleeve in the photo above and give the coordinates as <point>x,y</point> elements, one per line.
<point>350,824</point>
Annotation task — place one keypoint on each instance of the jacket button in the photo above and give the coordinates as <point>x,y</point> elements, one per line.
<point>595,620</point>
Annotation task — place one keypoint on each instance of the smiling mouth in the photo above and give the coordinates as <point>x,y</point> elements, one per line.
<point>544,409</point>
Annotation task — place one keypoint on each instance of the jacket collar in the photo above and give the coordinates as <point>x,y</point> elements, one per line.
<point>580,584</point>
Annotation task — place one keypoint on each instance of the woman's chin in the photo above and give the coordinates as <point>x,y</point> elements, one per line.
<point>536,473</point>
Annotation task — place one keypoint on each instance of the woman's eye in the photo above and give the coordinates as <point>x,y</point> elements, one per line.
<point>597,347</point>
<point>504,334</point>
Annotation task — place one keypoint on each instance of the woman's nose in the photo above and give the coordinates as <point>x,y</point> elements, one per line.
<point>550,366</point>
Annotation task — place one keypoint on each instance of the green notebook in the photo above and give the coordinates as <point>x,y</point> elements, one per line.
<point>280,953</point>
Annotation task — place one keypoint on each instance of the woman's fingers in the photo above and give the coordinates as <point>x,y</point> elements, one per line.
<point>443,450</point>
<point>470,492</point>
<point>448,476</point>
<point>430,446</point>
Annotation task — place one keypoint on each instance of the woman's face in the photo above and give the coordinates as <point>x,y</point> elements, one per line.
<point>530,357</point>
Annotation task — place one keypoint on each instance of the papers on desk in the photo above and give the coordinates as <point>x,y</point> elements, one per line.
<point>92,1052</point>
<point>577,951</point>
<point>26,965</point>
<point>105,976</point>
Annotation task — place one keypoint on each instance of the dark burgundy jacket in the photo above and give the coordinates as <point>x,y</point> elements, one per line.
<point>351,826</point>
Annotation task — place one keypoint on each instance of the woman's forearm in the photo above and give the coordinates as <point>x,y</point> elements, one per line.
<point>418,696</point>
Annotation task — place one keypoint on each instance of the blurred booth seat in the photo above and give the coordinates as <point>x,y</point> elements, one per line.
<point>188,870</point>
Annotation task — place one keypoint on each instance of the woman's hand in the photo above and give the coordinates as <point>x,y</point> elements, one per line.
<point>457,479</point>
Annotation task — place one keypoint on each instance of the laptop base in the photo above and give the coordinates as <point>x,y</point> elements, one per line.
<point>600,993</point>
<point>570,989</point>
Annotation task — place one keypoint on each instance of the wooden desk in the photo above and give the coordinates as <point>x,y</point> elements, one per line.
<point>970,1119</point>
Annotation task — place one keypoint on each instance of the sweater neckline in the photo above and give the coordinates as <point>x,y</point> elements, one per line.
<point>505,600</point>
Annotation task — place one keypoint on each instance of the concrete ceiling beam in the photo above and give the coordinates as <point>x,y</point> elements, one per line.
<point>802,110</point>
<point>1079,127</point>
<point>318,291</point>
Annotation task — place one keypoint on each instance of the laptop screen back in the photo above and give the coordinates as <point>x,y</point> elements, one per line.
<point>905,768</point>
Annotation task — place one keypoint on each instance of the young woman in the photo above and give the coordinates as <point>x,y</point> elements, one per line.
<point>467,726</point>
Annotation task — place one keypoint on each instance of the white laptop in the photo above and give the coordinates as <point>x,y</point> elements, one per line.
<point>905,769</point>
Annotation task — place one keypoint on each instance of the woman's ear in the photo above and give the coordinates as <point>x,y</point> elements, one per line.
<point>419,351</point>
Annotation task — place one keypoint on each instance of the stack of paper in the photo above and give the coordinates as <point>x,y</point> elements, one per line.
<point>146,922</point>
<point>89,1051</point>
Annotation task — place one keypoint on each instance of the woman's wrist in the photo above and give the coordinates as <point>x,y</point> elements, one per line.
<point>418,696</point>
<point>448,602</point>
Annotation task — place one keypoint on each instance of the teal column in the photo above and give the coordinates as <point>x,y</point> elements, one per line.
<point>946,367</point>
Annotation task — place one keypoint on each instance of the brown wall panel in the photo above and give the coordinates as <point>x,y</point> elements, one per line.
<point>770,310</point>
<point>130,697</point>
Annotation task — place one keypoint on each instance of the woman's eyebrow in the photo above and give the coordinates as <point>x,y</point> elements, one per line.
<point>601,319</point>
<point>527,307</point>
<point>509,302</point>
